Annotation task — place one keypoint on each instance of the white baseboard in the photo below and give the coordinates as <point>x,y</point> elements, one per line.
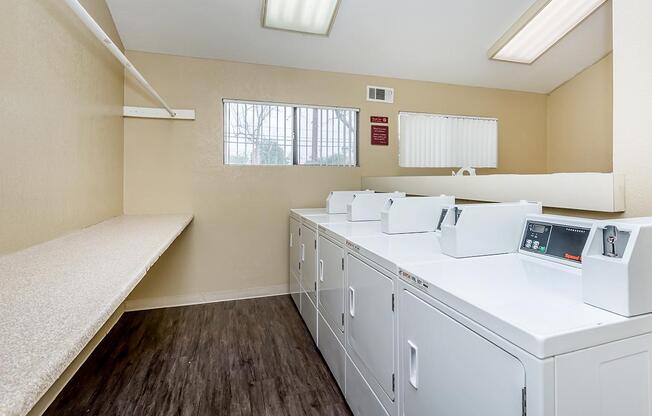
<point>209,297</point>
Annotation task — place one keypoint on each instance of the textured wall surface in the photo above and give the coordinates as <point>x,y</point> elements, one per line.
<point>580,121</point>
<point>633,102</point>
<point>61,129</point>
<point>239,238</point>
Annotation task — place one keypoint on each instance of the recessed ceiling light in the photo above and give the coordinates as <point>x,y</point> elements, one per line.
<point>307,16</point>
<point>541,27</point>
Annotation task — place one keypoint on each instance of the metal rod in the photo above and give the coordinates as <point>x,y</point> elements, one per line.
<point>92,25</point>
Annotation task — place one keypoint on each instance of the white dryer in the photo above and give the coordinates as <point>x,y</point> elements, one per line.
<point>510,335</point>
<point>307,265</point>
<point>371,323</point>
<point>372,285</point>
<point>331,277</point>
<point>304,248</point>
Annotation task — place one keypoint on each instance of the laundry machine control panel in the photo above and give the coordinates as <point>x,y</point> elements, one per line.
<point>561,241</point>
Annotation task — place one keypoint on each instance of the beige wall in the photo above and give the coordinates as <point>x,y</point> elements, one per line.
<point>61,130</point>
<point>239,237</point>
<point>633,102</point>
<point>580,121</point>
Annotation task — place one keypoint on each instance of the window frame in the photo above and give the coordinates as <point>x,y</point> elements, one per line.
<point>295,129</point>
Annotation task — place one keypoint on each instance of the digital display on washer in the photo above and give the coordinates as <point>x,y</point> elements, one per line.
<point>555,240</point>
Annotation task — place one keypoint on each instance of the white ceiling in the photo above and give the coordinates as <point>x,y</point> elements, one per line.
<point>432,40</point>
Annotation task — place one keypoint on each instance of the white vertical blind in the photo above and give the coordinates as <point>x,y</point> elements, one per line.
<point>445,141</point>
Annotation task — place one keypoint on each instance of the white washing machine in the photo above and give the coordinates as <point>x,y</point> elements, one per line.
<point>510,335</point>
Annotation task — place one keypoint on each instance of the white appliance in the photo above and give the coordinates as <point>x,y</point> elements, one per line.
<point>617,274</point>
<point>331,285</point>
<point>304,225</point>
<point>414,214</point>
<point>371,323</point>
<point>295,260</point>
<point>483,229</point>
<point>367,207</point>
<point>511,335</point>
<point>337,200</point>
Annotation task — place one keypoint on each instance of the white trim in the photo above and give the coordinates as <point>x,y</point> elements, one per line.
<point>604,192</point>
<point>148,112</point>
<point>253,102</point>
<point>445,115</point>
<point>202,298</point>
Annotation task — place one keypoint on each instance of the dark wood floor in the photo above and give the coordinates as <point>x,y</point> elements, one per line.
<point>249,357</point>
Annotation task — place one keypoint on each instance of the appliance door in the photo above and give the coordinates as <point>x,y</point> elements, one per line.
<point>447,369</point>
<point>332,351</point>
<point>370,317</point>
<point>295,247</point>
<point>330,273</point>
<point>295,290</point>
<point>309,262</point>
<point>309,315</point>
<point>359,396</point>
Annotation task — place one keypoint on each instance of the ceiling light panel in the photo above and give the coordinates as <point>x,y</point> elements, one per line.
<point>307,16</point>
<point>551,20</point>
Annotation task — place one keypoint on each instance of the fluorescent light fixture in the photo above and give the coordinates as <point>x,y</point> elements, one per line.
<point>307,16</point>
<point>541,27</point>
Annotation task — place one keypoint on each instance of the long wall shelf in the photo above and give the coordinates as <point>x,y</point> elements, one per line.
<point>603,192</point>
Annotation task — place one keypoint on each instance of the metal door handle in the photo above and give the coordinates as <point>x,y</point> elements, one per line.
<point>290,239</point>
<point>321,271</point>
<point>303,252</point>
<point>351,301</point>
<point>414,364</point>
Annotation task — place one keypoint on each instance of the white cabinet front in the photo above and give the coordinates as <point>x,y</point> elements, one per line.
<point>331,283</point>
<point>359,397</point>
<point>309,262</point>
<point>309,315</point>
<point>295,290</point>
<point>447,369</point>
<point>295,247</point>
<point>370,331</point>
<point>332,351</point>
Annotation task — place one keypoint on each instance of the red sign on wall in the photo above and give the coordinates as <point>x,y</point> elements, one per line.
<point>379,119</point>
<point>379,135</point>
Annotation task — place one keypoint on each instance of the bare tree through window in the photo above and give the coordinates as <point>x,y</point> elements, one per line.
<point>273,134</point>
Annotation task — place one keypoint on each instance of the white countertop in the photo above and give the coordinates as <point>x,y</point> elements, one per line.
<point>55,296</point>
<point>532,303</point>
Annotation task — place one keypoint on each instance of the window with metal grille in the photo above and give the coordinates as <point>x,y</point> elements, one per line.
<point>282,134</point>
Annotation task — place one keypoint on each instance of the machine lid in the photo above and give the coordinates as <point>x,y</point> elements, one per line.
<point>343,230</point>
<point>390,250</point>
<point>533,303</point>
<point>316,220</point>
